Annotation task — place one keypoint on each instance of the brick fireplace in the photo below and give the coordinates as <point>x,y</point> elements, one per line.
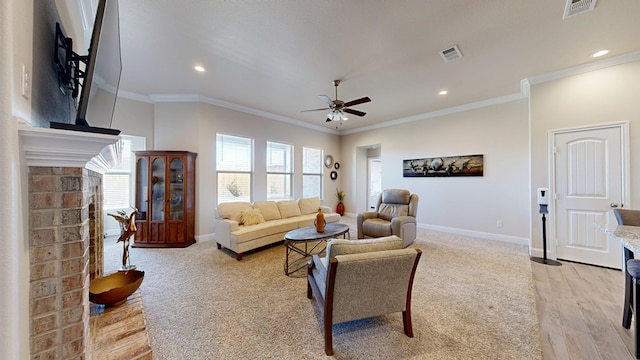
<point>65,235</point>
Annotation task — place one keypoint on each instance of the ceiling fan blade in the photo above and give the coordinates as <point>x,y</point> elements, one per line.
<point>322,109</point>
<point>358,101</point>
<point>354,112</point>
<point>326,99</point>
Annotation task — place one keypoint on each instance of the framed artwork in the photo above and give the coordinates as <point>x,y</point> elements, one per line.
<point>444,166</point>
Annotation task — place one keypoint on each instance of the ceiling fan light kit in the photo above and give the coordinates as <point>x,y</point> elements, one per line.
<point>338,108</point>
<point>336,116</point>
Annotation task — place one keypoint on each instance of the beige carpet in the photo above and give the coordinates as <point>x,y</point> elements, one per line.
<point>472,299</point>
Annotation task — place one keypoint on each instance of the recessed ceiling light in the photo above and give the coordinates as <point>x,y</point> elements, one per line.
<point>443,92</point>
<point>600,53</point>
<point>199,68</point>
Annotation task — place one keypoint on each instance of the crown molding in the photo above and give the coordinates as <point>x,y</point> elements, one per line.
<point>525,86</point>
<point>158,98</point>
<point>438,113</point>
<point>134,96</point>
<point>585,68</point>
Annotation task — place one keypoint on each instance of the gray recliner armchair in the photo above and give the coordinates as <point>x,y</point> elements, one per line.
<point>395,214</point>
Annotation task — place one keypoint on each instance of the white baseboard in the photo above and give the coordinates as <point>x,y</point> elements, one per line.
<point>537,252</point>
<point>477,234</point>
<point>112,232</point>
<point>210,236</point>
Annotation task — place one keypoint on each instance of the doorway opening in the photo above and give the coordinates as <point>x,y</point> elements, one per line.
<point>374,176</point>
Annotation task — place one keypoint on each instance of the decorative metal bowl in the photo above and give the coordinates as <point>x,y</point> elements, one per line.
<point>114,289</point>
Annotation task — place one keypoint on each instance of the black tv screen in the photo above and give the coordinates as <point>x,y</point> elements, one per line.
<point>100,75</point>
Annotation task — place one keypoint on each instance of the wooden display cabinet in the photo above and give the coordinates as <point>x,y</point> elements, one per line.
<point>165,198</point>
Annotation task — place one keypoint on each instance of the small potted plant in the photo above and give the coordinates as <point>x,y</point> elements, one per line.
<point>340,207</point>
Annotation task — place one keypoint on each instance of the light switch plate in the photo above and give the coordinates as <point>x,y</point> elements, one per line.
<point>26,82</point>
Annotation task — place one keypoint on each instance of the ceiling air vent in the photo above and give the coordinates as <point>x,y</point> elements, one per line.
<point>575,7</point>
<point>450,54</point>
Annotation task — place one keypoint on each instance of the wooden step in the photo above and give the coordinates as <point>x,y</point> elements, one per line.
<point>120,332</point>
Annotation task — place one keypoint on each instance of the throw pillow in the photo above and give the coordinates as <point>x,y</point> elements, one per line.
<point>251,217</point>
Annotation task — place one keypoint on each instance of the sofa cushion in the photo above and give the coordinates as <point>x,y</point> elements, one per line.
<point>309,205</point>
<point>288,208</point>
<point>268,228</point>
<point>268,209</point>
<point>251,217</point>
<point>345,247</point>
<point>232,210</point>
<point>376,227</point>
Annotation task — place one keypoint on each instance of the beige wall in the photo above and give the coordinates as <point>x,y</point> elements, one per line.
<point>134,118</point>
<point>16,48</point>
<point>470,205</point>
<point>193,126</point>
<point>21,40</point>
<point>605,96</point>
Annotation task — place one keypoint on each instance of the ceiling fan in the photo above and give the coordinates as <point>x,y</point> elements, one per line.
<point>338,108</point>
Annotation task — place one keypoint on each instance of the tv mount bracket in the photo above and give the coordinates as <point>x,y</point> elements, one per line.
<point>67,63</point>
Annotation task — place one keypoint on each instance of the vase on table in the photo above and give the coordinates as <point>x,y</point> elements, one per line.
<point>320,221</point>
<point>340,208</point>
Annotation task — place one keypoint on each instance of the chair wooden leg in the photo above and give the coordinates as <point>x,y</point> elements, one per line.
<point>636,305</point>
<point>628,301</point>
<point>328,339</point>
<point>406,321</point>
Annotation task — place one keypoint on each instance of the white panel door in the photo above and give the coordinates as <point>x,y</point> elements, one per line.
<point>588,183</point>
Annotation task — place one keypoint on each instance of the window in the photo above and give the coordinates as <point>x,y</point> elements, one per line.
<point>118,181</point>
<point>279,171</point>
<point>311,172</point>
<point>234,165</point>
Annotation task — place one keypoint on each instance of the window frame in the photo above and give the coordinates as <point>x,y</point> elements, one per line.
<point>119,170</point>
<point>320,175</point>
<point>249,172</point>
<point>289,163</point>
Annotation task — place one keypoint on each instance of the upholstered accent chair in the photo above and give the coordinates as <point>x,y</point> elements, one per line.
<point>395,214</point>
<point>358,279</point>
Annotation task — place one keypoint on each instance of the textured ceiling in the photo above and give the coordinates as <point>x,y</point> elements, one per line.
<point>275,57</point>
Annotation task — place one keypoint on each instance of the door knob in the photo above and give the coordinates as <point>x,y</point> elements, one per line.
<point>613,205</point>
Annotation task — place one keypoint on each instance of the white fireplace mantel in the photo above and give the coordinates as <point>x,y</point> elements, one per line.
<point>65,148</point>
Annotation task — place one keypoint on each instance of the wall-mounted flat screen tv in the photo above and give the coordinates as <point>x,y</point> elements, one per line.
<point>97,75</point>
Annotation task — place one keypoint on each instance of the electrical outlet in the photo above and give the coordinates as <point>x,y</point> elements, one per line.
<point>26,82</point>
<point>499,223</point>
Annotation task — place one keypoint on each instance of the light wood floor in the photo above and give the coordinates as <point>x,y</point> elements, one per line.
<point>580,312</point>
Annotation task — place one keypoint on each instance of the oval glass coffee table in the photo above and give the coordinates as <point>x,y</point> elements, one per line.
<point>306,241</point>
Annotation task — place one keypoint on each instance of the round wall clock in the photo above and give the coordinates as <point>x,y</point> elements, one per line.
<point>328,161</point>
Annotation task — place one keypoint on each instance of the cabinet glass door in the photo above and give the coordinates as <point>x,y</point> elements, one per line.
<point>142,188</point>
<point>158,183</point>
<point>176,189</point>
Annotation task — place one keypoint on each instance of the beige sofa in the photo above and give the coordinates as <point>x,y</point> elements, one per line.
<point>242,226</point>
